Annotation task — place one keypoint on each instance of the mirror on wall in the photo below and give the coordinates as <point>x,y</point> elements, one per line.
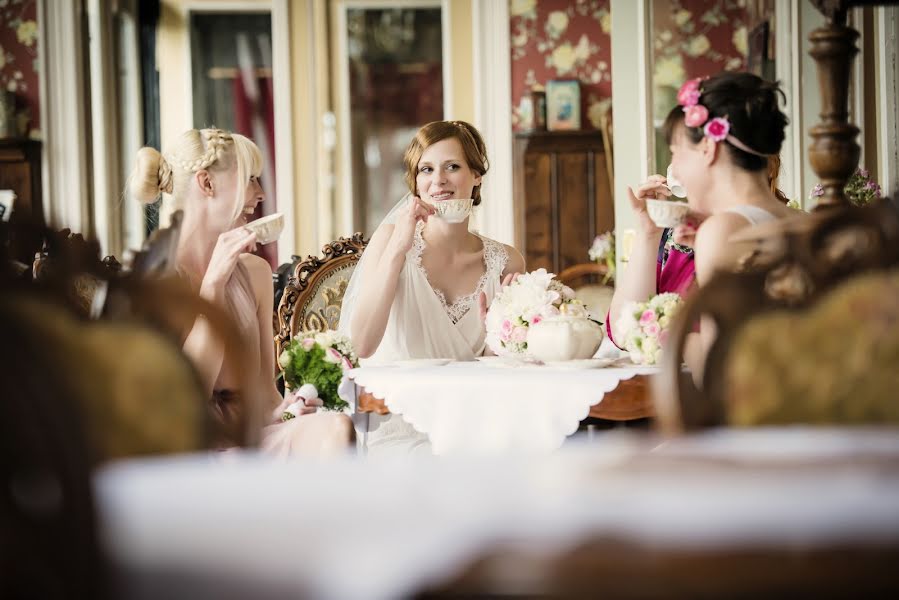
<point>395,70</point>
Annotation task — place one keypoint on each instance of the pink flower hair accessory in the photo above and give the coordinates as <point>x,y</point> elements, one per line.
<point>689,93</point>
<point>696,115</point>
<point>717,129</point>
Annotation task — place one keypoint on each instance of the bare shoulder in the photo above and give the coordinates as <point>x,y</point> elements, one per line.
<point>516,261</point>
<point>713,250</point>
<point>717,228</point>
<point>258,268</point>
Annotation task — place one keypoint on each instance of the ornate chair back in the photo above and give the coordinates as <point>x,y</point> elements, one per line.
<point>313,296</point>
<point>588,280</point>
<point>804,331</point>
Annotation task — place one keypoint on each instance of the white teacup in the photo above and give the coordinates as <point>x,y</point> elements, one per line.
<point>455,210</point>
<point>676,187</point>
<point>267,228</point>
<point>667,213</point>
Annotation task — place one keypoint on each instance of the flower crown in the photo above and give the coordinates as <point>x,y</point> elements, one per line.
<point>697,115</point>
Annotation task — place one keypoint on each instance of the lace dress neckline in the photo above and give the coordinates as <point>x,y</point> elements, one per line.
<point>493,256</point>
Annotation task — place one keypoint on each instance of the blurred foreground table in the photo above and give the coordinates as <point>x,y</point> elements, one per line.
<point>785,512</point>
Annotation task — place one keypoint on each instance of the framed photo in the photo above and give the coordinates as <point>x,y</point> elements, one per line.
<point>563,105</point>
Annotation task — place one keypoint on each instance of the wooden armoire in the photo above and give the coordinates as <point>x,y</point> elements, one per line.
<point>562,196</point>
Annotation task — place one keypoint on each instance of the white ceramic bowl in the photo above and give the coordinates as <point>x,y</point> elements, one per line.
<point>564,338</point>
<point>667,213</point>
<point>267,228</point>
<point>454,211</point>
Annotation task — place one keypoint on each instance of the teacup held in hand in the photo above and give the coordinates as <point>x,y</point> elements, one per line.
<point>268,228</point>
<point>453,211</point>
<point>676,187</point>
<point>667,213</point>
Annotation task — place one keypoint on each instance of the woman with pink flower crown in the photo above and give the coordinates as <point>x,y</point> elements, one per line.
<point>724,134</point>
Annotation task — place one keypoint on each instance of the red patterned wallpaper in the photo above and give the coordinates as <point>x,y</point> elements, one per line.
<point>696,38</point>
<point>561,39</point>
<point>570,39</point>
<point>18,61</point>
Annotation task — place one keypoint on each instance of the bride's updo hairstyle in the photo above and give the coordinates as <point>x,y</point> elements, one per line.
<point>751,105</point>
<point>195,150</point>
<point>436,131</point>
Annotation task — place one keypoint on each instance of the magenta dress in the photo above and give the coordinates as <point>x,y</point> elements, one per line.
<point>675,271</point>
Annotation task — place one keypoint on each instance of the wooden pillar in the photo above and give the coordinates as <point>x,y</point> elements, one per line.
<point>834,152</point>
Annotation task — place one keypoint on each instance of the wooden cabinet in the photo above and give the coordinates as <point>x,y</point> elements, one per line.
<point>562,194</point>
<point>20,171</point>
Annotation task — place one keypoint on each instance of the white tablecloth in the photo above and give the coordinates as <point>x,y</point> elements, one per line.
<point>194,526</point>
<point>479,408</point>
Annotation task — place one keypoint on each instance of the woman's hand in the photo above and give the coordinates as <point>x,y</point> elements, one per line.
<point>227,251</point>
<point>685,233</point>
<point>407,220</point>
<point>655,187</point>
<point>292,396</point>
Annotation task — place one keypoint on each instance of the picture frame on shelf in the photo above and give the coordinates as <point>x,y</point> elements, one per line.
<point>563,105</point>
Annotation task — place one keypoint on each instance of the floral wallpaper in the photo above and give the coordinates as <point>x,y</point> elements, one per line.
<point>695,38</point>
<point>18,61</point>
<point>561,39</point>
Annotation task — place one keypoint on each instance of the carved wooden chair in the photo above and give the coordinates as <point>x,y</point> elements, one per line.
<point>313,296</point>
<point>586,279</point>
<point>807,330</point>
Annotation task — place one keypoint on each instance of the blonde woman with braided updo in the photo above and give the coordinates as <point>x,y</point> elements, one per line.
<point>213,177</point>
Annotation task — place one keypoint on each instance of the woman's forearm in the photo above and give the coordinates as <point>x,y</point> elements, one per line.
<point>379,290</point>
<point>638,281</point>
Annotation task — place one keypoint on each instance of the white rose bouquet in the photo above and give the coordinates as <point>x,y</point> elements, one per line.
<point>313,365</point>
<point>645,327</point>
<point>603,252</point>
<point>528,300</point>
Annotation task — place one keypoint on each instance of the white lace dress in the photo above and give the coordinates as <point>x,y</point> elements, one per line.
<point>423,325</point>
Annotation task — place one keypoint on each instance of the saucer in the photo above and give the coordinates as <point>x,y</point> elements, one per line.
<point>424,362</point>
<point>586,363</point>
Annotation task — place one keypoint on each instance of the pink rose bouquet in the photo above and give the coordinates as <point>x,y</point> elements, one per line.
<point>528,300</point>
<point>645,327</point>
<point>314,364</point>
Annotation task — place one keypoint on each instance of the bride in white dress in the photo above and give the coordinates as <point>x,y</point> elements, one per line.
<point>423,284</point>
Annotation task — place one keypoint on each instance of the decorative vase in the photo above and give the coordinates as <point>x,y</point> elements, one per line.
<point>564,338</point>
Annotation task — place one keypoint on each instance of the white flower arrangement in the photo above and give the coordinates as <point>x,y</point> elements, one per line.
<point>603,252</point>
<point>528,300</point>
<point>644,327</point>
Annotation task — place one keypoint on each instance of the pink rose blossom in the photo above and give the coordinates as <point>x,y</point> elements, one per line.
<point>717,129</point>
<point>688,95</point>
<point>663,337</point>
<point>648,316</point>
<point>536,319</point>
<point>333,356</point>
<point>696,115</point>
<point>505,331</point>
<point>520,334</point>
<point>652,329</point>
<point>308,343</point>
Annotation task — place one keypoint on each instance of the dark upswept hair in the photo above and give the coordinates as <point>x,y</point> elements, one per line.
<point>751,105</point>
<point>472,146</point>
